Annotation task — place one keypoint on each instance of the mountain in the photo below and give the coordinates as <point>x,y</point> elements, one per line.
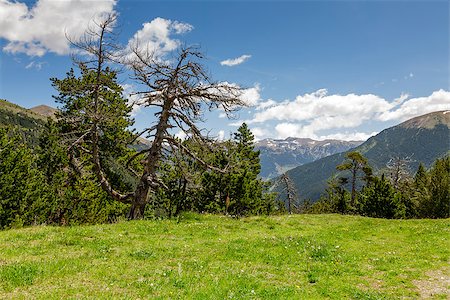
<point>279,156</point>
<point>26,121</point>
<point>31,121</point>
<point>423,139</point>
<point>44,110</point>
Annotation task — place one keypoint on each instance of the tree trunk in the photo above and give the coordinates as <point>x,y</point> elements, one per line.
<point>139,202</point>
<point>136,211</point>
<point>353,186</point>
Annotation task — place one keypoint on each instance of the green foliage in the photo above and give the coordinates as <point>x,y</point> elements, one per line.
<point>71,198</point>
<point>24,122</point>
<point>356,164</point>
<point>20,181</point>
<point>422,144</point>
<point>378,199</point>
<point>236,190</point>
<point>240,190</point>
<point>40,188</point>
<point>440,188</point>
<point>431,190</point>
<point>426,196</point>
<point>89,101</point>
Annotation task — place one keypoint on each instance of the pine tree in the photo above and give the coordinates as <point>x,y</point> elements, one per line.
<point>440,188</point>
<point>356,163</point>
<point>20,181</point>
<point>378,199</point>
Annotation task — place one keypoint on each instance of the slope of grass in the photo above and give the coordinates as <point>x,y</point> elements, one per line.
<point>16,109</point>
<point>213,257</point>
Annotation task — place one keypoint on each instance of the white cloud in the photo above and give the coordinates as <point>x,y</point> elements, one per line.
<point>42,28</point>
<point>266,104</point>
<point>321,116</point>
<point>344,109</point>
<point>347,136</point>
<point>135,100</point>
<point>259,133</point>
<point>155,37</point>
<point>180,27</point>
<point>235,61</point>
<point>401,99</point>
<point>181,135</point>
<point>221,135</point>
<point>285,130</point>
<point>36,65</point>
<point>251,96</point>
<point>410,108</point>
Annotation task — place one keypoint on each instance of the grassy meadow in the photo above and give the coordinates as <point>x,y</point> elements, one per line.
<point>216,257</point>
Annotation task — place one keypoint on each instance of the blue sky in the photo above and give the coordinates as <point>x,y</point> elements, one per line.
<point>319,69</point>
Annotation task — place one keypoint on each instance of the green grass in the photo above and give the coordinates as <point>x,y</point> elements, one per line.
<point>214,257</point>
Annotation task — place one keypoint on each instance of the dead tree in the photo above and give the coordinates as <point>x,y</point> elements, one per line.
<point>291,192</point>
<point>177,88</point>
<point>180,90</point>
<point>398,170</point>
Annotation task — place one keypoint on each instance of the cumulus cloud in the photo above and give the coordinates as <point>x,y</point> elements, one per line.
<point>266,104</point>
<point>235,61</point>
<point>221,135</point>
<point>319,115</point>
<point>410,108</point>
<point>43,27</point>
<point>260,133</point>
<point>251,96</point>
<point>285,130</point>
<point>348,136</point>
<point>155,37</point>
<point>346,109</point>
<point>135,100</point>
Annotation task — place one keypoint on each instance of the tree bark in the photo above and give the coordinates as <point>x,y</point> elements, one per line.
<point>137,210</point>
<point>354,171</point>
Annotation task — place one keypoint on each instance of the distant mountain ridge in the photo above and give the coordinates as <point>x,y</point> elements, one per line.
<point>44,110</point>
<point>14,115</point>
<point>32,120</point>
<point>278,156</point>
<point>423,139</point>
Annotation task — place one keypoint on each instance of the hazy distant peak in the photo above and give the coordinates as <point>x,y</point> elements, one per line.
<point>44,110</point>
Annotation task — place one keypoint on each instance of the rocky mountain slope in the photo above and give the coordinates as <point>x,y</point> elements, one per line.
<point>423,139</point>
<point>279,156</point>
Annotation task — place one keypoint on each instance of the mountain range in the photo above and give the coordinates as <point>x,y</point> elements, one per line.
<point>423,139</point>
<point>279,156</point>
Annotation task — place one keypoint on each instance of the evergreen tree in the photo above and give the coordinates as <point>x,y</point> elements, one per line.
<point>420,192</point>
<point>378,199</point>
<point>71,198</point>
<point>20,181</point>
<point>356,163</point>
<point>245,189</point>
<point>440,189</point>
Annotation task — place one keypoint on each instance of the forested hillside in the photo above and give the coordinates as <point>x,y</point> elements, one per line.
<point>420,140</point>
